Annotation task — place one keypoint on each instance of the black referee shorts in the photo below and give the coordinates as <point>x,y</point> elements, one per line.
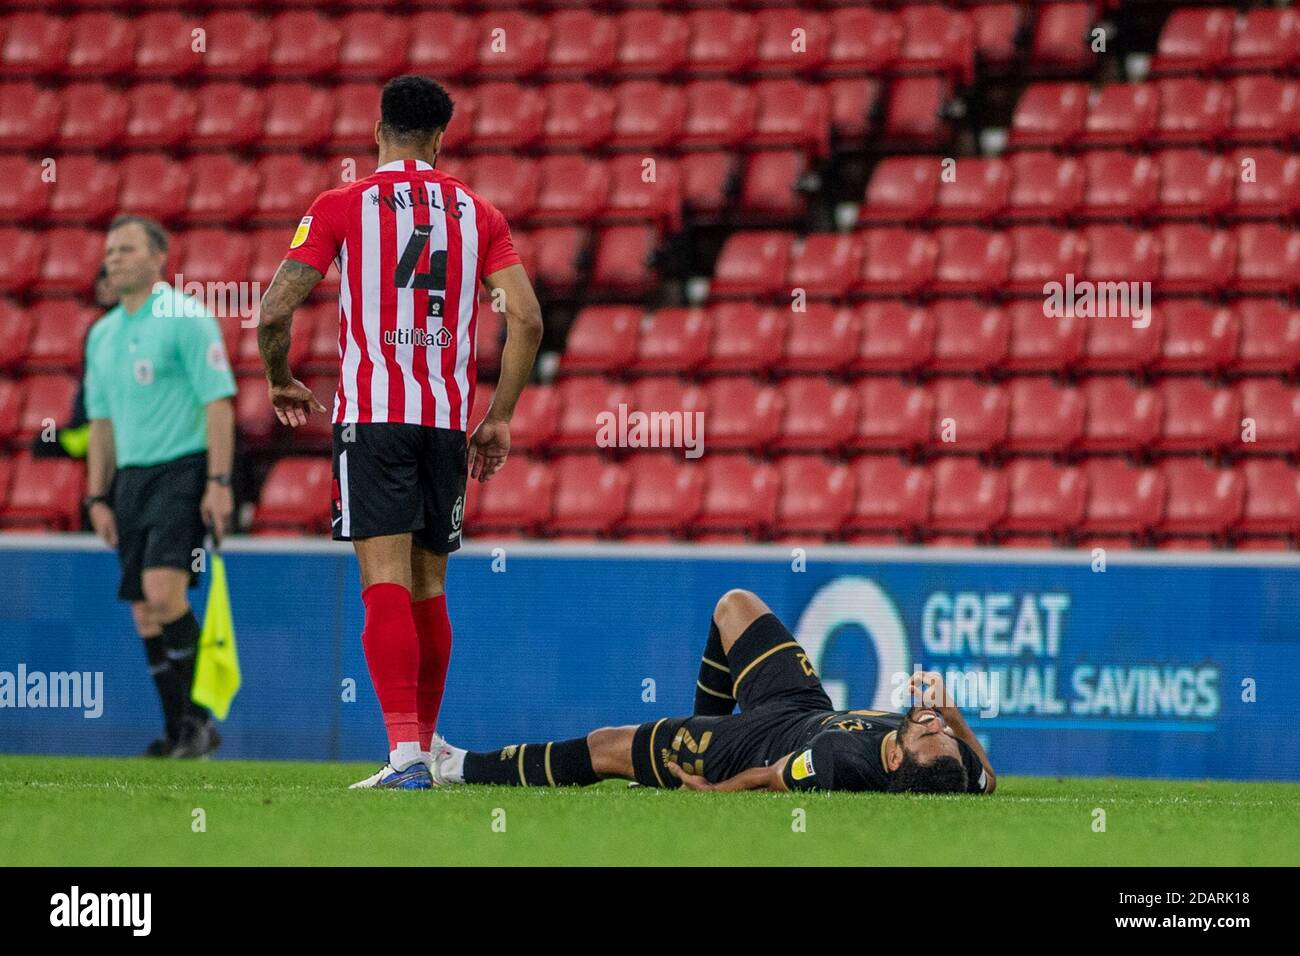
<point>394,478</point>
<point>159,524</point>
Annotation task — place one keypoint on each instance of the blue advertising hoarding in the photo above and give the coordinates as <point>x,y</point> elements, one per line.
<point>1161,665</point>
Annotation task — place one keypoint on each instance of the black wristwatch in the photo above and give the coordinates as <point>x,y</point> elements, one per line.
<point>222,480</point>
<point>90,501</point>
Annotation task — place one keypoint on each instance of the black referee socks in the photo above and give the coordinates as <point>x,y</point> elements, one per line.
<point>181,638</point>
<point>713,687</point>
<point>552,764</point>
<point>171,694</point>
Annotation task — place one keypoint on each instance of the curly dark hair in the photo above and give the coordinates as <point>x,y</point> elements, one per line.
<point>414,107</point>
<point>941,775</point>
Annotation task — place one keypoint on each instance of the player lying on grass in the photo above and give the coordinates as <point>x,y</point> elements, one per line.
<point>787,736</point>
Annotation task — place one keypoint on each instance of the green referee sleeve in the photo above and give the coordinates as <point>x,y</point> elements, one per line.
<point>203,353</point>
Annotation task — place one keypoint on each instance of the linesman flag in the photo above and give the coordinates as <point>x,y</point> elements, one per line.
<point>216,675</point>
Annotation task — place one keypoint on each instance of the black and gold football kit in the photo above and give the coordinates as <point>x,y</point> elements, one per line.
<point>783,710</point>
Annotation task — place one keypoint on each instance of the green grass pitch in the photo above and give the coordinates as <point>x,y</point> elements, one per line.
<point>59,811</point>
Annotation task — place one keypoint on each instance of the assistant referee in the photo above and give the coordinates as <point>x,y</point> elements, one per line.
<point>158,392</point>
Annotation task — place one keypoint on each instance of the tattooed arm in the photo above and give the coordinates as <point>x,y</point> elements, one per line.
<point>292,284</point>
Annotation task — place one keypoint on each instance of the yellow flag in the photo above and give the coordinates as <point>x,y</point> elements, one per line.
<point>216,675</point>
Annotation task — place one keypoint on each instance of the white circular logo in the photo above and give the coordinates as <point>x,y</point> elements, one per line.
<point>457,513</point>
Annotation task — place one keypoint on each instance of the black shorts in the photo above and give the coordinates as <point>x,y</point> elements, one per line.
<point>159,524</point>
<point>393,478</point>
<point>776,688</point>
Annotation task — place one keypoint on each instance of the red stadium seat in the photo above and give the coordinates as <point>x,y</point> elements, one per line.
<point>442,44</point>
<point>997,30</point>
<point>1044,417</point>
<point>752,264</point>
<point>1198,417</point>
<point>1121,254</point>
<point>1192,111</point>
<point>776,53</point>
<point>296,494</point>
<point>59,335</point>
<point>603,338</point>
<point>1114,343</point>
<point>21,252</point>
<point>374,46</point>
<point>165,48</point>
<point>47,401</point>
<point>16,325</point>
<point>1193,184</point>
<point>583,404</point>
<point>289,185</point>
<point>229,115</point>
<point>742,414</point>
<point>707,178</point>
<point>222,189</point>
<point>976,190</point>
<point>894,415</point>
<point>746,338</point>
<point>622,259</point>
<point>298,115</point>
<point>739,495</point>
<point>46,492</point>
<point>94,116</point>
<point>1049,114</point>
<point>239,45</point>
<point>573,189</point>
<point>971,260</point>
<point>937,40</point>
<point>719,113</point>
<point>1268,258</point>
<point>1271,411</point>
<point>863,42</point>
<point>11,404</point>
<point>515,501</point>
<point>1272,498</point>
<point>1270,337</point>
<point>508,117</point>
<point>254,417</point>
<point>816,495</point>
<point>159,116</point>
<point>1202,499</point>
<point>1120,416</point>
<point>674,340</point>
<point>651,43</point>
<point>85,191</point>
<point>1273,189</point>
<point>897,261</point>
<point>29,117</point>
<point>1195,259</point>
<point>665,494</point>
<point>823,337</point>
<point>590,495</point>
<point>1198,338</point>
<point>583,43</point>
<point>1193,41</point>
<point>914,113</point>
<point>647,115</point>
<point>537,416</point>
<point>1041,254</point>
<point>71,259</point>
<point>1122,499</point>
<point>1120,114</point>
<point>215,255</point>
<point>578,116</point>
<point>890,495</point>
<point>722,42</point>
<point>853,104</point>
<point>511,44</point>
<point>1120,186</point>
<point>663,394</point>
<point>970,336</point>
<point>1044,498</point>
<point>820,415</point>
<point>510,183</point>
<point>896,337</point>
<point>1266,110</point>
<point>968,499</point>
<point>633,197</point>
<point>1265,39</point>
<point>100,44</point>
<point>769,186</point>
<point>154,185</point>
<point>356,105</point>
<point>1043,186</point>
<point>901,189</point>
<point>305,44</point>
<point>968,417</point>
<point>1061,41</point>
<point>791,114</point>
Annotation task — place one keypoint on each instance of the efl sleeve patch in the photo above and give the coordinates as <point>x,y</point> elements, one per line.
<point>801,768</point>
<point>299,237</point>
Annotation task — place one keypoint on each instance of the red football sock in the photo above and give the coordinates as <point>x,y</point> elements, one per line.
<point>393,656</point>
<point>434,629</point>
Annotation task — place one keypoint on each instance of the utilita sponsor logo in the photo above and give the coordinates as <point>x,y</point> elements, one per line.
<point>75,908</point>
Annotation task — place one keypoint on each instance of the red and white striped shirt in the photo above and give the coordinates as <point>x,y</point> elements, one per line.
<point>412,245</point>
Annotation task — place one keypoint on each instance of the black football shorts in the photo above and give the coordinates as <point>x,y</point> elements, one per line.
<point>159,524</point>
<point>394,478</point>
